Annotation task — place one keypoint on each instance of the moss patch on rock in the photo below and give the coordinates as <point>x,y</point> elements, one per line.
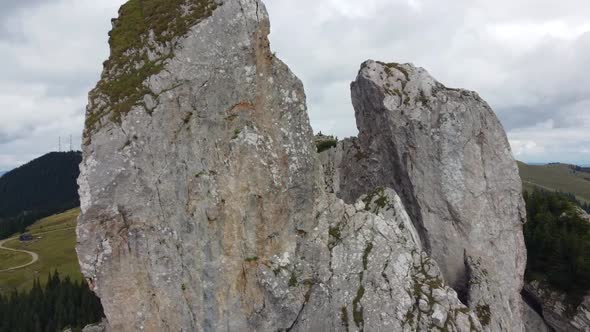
<point>141,41</point>
<point>326,145</point>
<point>392,65</point>
<point>376,200</point>
<point>484,314</point>
<point>357,308</point>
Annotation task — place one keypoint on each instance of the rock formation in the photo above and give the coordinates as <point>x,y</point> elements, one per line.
<point>557,312</point>
<point>204,205</point>
<point>100,327</point>
<point>445,152</point>
<point>533,322</point>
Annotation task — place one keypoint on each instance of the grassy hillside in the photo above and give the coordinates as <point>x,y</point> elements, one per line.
<point>10,259</point>
<point>557,177</point>
<point>55,249</point>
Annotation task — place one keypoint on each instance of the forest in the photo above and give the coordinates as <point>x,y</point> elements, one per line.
<point>41,188</point>
<point>59,304</point>
<point>558,243</point>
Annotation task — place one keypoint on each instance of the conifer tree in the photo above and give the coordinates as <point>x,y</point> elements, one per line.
<point>61,303</point>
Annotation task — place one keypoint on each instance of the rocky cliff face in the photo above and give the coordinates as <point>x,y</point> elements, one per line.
<point>199,175</point>
<point>557,312</point>
<point>444,151</point>
<point>204,204</point>
<point>533,322</point>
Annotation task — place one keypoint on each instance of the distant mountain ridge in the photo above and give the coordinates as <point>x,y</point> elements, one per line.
<point>40,188</point>
<point>556,163</point>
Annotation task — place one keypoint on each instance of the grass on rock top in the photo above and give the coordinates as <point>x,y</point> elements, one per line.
<point>142,26</point>
<point>397,66</point>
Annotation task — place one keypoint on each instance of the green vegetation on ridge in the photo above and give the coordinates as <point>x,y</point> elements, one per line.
<point>325,142</point>
<point>41,188</point>
<point>556,177</point>
<point>131,41</point>
<point>558,243</point>
<point>56,249</point>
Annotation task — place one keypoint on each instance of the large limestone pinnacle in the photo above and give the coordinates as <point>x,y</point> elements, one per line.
<point>445,152</point>
<point>198,163</point>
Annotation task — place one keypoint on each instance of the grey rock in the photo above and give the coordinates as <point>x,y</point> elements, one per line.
<point>584,214</point>
<point>445,152</point>
<point>557,312</point>
<point>352,180</point>
<point>100,327</point>
<point>363,271</point>
<point>533,322</point>
<point>182,201</point>
<point>204,207</point>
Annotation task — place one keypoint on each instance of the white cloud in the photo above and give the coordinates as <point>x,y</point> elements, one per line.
<point>550,144</point>
<point>525,148</point>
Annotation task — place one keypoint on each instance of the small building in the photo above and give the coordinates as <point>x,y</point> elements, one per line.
<point>26,237</point>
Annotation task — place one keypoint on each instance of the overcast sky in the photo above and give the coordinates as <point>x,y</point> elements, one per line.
<point>527,58</point>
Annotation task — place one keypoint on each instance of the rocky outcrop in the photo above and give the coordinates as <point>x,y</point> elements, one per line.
<point>533,322</point>
<point>203,201</point>
<point>557,310</point>
<point>445,152</point>
<point>100,327</point>
<point>584,214</point>
<point>367,273</point>
<point>208,174</point>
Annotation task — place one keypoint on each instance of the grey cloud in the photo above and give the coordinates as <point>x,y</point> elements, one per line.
<point>9,29</point>
<point>450,41</point>
<point>7,138</point>
<point>11,5</point>
<point>493,47</point>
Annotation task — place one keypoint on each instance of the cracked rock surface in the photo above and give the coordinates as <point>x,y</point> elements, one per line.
<point>204,203</point>
<point>446,154</point>
<point>213,174</point>
<point>557,312</point>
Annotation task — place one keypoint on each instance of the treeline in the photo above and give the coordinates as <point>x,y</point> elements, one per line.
<point>41,188</point>
<point>59,304</point>
<point>558,243</point>
<point>19,223</point>
<point>577,168</point>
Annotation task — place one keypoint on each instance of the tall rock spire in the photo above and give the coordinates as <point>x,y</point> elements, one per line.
<point>445,152</point>
<point>198,163</point>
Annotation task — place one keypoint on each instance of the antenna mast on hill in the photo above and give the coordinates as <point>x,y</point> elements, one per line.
<point>70,143</point>
<point>59,146</point>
